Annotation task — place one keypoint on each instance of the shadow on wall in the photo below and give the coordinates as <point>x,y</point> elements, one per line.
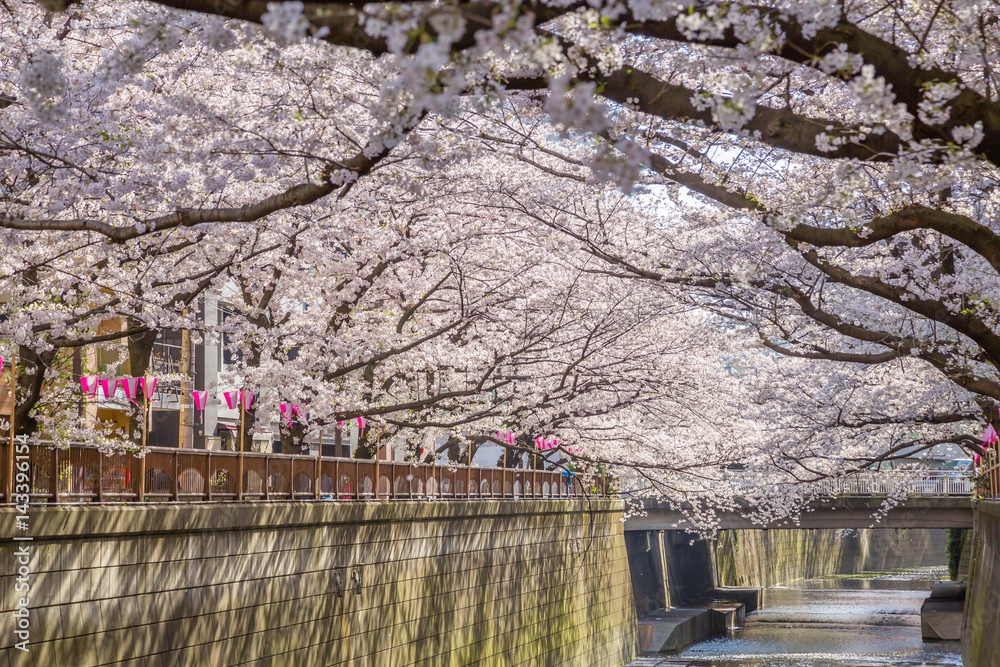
<point>676,568</point>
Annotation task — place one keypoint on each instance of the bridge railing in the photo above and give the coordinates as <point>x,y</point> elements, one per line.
<point>926,483</point>
<point>82,473</point>
<point>922,483</point>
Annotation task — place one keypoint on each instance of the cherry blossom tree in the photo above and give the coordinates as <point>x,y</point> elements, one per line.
<point>820,174</point>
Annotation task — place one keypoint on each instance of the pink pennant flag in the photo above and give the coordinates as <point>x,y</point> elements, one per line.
<point>989,436</point>
<point>362,422</point>
<point>148,390</point>
<point>975,459</point>
<point>131,387</point>
<point>247,397</point>
<point>300,413</point>
<point>109,389</point>
<point>231,399</point>
<point>284,413</point>
<point>89,383</point>
<point>200,398</point>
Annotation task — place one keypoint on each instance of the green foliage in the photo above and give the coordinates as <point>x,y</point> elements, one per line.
<point>956,537</point>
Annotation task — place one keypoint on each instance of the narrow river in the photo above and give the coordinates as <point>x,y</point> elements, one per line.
<point>863,620</point>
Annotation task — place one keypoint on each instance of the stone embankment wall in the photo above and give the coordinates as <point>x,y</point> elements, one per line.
<point>981,625</point>
<point>675,568</point>
<point>381,584</point>
<point>768,557</point>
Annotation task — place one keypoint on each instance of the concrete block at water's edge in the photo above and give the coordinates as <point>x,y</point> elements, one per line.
<point>941,612</point>
<point>670,630</point>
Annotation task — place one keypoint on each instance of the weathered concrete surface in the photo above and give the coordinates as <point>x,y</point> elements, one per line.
<point>381,584</point>
<point>668,569</point>
<point>981,623</point>
<point>834,513</point>
<point>768,557</point>
<point>750,596</point>
<point>670,630</point>
<point>941,612</point>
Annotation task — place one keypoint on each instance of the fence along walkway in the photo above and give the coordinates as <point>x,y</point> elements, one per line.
<point>81,473</point>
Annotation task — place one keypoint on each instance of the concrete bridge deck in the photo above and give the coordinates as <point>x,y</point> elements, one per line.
<point>843,512</point>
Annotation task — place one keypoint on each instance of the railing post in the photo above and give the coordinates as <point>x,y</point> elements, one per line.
<point>267,477</point>
<point>319,463</point>
<point>55,474</point>
<point>534,475</point>
<point>208,477</point>
<point>100,477</point>
<point>177,479</point>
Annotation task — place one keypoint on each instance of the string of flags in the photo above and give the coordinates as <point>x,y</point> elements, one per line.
<point>544,444</point>
<point>109,386</point>
<point>289,411</point>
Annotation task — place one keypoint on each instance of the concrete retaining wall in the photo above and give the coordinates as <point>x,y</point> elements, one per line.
<point>381,584</point>
<point>981,625</point>
<point>768,557</point>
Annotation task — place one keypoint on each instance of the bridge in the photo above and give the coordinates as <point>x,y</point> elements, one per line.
<point>934,499</point>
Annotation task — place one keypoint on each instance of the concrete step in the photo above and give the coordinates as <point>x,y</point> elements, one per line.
<point>941,612</point>
<point>670,630</point>
<point>751,597</point>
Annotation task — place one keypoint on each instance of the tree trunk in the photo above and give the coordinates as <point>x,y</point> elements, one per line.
<point>140,350</point>
<point>31,369</point>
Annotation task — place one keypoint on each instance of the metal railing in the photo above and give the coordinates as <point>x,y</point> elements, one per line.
<point>988,479</point>
<point>925,483</point>
<point>82,473</point>
<point>930,483</point>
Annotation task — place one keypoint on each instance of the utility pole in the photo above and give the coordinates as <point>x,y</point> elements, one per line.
<point>185,417</point>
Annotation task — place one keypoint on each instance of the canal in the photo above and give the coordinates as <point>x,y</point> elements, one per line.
<point>862,620</point>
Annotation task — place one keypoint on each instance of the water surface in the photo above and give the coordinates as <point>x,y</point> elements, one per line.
<point>864,620</point>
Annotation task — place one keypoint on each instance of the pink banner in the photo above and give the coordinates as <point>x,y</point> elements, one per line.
<point>89,383</point>
<point>300,413</point>
<point>247,397</point>
<point>148,390</point>
<point>990,436</point>
<point>200,398</point>
<point>546,444</point>
<point>362,422</point>
<point>109,389</point>
<point>232,399</point>
<point>284,412</point>
<point>131,387</point>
